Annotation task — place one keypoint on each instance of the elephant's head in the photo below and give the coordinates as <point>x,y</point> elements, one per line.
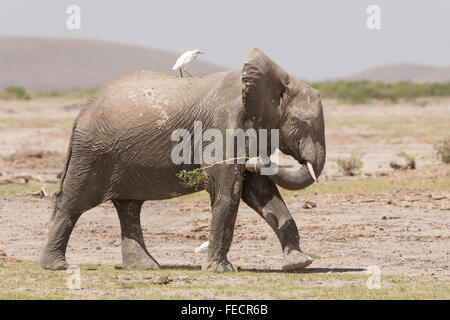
<point>273,99</point>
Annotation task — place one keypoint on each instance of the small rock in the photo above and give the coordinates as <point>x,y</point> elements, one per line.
<point>348,197</point>
<point>41,193</point>
<point>2,256</point>
<point>309,205</point>
<point>201,237</point>
<point>389,218</point>
<point>262,237</point>
<point>163,280</point>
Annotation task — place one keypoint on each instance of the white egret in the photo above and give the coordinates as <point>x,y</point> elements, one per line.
<point>184,59</point>
<point>203,247</point>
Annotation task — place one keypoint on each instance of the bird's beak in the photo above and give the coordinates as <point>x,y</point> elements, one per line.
<point>201,52</point>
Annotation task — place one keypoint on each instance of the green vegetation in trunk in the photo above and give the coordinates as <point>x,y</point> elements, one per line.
<point>193,178</point>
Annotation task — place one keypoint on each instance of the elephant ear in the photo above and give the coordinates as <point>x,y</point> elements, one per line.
<point>263,83</point>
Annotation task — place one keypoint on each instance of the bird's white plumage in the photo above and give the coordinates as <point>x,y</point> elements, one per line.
<point>186,58</point>
<point>203,247</point>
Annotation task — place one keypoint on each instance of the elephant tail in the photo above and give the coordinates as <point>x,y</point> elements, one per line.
<point>57,197</point>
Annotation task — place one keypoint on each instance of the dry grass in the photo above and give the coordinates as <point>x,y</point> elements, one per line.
<point>26,280</point>
<point>42,123</point>
<point>357,186</point>
<point>350,166</point>
<point>443,150</point>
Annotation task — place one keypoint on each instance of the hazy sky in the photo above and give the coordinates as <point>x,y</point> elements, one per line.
<point>313,40</point>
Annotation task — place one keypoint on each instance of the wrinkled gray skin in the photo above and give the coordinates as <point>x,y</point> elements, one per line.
<point>121,144</point>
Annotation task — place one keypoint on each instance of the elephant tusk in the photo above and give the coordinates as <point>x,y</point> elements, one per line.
<point>311,171</point>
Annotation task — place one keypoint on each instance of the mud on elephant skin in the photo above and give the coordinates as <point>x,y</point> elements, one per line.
<point>120,150</point>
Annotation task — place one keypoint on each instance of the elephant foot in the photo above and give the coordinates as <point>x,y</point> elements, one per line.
<point>53,261</point>
<point>218,266</point>
<point>295,260</point>
<point>134,257</point>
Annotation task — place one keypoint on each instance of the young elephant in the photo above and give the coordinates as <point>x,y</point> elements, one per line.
<point>120,150</point>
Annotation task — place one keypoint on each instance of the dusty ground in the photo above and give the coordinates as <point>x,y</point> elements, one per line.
<point>404,228</point>
<point>405,233</point>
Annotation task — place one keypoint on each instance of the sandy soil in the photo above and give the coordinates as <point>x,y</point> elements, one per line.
<point>405,232</point>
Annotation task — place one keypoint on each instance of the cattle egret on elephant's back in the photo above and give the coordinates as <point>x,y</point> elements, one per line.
<point>184,59</point>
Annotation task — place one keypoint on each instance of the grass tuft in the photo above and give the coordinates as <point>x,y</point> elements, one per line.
<point>443,150</point>
<point>350,166</point>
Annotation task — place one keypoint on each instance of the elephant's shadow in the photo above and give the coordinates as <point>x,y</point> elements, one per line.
<point>306,270</point>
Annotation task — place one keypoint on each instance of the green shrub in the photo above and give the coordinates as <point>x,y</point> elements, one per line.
<point>16,93</point>
<point>68,93</point>
<point>350,166</point>
<point>363,91</point>
<point>443,150</point>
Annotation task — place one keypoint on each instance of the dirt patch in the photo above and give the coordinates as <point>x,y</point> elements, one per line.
<point>404,233</point>
<point>36,158</point>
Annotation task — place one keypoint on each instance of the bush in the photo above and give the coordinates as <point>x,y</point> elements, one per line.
<point>16,93</point>
<point>443,150</point>
<point>363,91</point>
<point>409,162</point>
<point>68,93</point>
<point>350,166</point>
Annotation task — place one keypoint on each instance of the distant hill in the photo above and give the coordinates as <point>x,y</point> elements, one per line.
<point>53,64</point>
<point>404,72</point>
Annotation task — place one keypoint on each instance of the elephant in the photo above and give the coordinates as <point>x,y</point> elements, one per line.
<point>120,150</point>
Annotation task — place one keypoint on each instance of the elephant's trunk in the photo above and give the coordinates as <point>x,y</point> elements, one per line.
<point>294,177</point>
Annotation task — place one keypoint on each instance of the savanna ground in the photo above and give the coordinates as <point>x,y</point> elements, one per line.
<point>395,220</point>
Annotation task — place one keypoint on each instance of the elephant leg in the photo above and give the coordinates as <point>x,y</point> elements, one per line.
<point>135,255</point>
<point>224,185</point>
<point>53,256</point>
<point>70,203</point>
<point>262,195</point>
